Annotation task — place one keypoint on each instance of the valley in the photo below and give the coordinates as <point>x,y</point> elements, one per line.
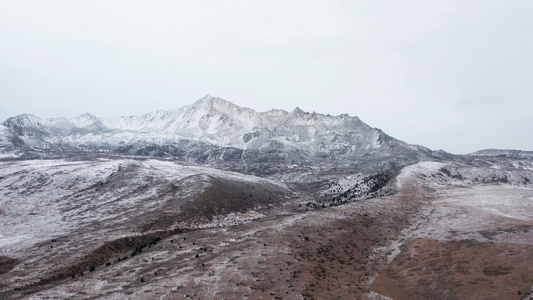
<point>213,201</point>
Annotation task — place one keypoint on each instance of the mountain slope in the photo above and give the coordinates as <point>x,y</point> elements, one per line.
<point>11,145</point>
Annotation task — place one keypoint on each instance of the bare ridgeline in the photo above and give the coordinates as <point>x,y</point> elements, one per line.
<point>215,201</point>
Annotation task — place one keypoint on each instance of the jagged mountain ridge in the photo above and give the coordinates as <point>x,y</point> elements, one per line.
<point>216,129</point>
<point>503,153</point>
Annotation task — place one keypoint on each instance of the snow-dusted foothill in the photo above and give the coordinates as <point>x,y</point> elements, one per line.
<point>44,199</point>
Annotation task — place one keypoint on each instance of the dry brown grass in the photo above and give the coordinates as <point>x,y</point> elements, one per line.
<point>464,269</point>
<point>412,192</point>
<point>338,259</point>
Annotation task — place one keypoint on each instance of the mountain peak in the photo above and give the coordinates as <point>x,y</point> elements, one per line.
<point>87,115</point>
<point>86,120</point>
<point>298,111</point>
<point>275,113</point>
<point>206,98</point>
<point>209,101</point>
<point>23,120</point>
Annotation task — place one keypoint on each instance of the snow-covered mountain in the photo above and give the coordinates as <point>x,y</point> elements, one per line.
<point>212,120</point>
<point>216,129</point>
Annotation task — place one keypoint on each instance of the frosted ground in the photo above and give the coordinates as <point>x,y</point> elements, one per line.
<point>241,253</point>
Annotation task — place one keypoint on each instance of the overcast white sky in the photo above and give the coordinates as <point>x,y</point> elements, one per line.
<point>452,75</point>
